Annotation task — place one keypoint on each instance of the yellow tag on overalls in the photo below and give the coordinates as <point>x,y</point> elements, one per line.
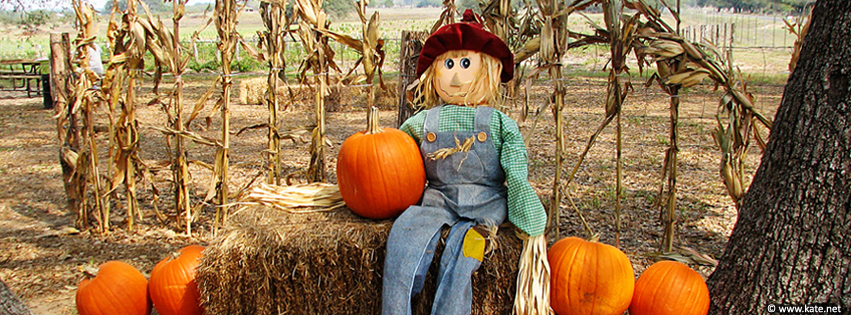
<point>474,245</point>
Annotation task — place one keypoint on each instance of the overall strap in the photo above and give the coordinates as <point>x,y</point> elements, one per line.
<point>432,121</point>
<point>483,118</point>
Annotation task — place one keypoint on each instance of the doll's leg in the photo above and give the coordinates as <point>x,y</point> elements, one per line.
<point>410,249</point>
<point>463,255</point>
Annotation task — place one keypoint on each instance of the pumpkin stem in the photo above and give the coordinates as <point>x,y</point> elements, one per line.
<point>89,271</point>
<point>595,238</point>
<point>372,119</point>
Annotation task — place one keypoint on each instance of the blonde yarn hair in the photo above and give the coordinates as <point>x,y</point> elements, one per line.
<point>488,80</point>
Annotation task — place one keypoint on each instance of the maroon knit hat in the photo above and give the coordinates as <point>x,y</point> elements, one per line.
<point>466,35</point>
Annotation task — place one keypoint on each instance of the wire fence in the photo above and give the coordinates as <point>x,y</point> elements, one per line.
<point>742,31</point>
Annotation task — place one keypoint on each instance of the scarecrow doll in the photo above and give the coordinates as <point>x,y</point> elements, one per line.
<point>476,167</point>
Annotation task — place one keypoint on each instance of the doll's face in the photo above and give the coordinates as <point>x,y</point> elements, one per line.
<point>454,76</point>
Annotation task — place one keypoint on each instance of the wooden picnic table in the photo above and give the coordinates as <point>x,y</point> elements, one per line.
<point>24,71</point>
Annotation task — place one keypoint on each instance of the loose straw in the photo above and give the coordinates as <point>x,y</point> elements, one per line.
<point>533,277</point>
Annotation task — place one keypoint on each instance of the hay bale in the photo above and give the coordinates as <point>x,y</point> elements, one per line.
<point>271,262</point>
<point>252,91</point>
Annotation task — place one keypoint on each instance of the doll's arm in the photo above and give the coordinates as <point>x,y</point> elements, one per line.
<point>524,208</point>
<point>413,126</point>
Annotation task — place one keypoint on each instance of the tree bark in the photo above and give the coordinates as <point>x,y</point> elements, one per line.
<point>791,244</point>
<point>9,302</point>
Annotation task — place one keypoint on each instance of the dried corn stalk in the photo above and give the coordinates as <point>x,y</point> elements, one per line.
<point>312,30</point>
<point>681,64</point>
<point>372,52</point>
<point>227,12</point>
<point>553,47</point>
<point>133,39</point>
<point>86,100</point>
<point>273,46</point>
<point>545,33</point>
<point>447,16</point>
<point>621,35</point>
<point>123,134</point>
<point>180,165</point>
<point>499,17</point>
<point>371,49</point>
<point>799,28</point>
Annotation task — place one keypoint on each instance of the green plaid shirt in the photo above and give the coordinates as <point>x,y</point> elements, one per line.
<point>524,208</point>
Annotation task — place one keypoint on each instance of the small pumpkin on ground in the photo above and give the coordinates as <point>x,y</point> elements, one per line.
<point>589,278</point>
<point>380,171</point>
<point>670,288</point>
<point>117,289</point>
<point>173,288</point>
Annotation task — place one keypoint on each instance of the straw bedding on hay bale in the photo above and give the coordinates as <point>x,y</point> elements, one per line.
<point>272,262</point>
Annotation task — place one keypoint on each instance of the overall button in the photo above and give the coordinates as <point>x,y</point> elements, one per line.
<point>431,136</point>
<point>482,136</point>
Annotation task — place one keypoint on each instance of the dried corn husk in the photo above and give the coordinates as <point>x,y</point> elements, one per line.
<point>304,198</point>
<point>459,147</point>
<point>530,48</point>
<point>663,49</point>
<point>687,78</point>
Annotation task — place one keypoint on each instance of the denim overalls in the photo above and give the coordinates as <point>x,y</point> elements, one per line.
<point>465,189</point>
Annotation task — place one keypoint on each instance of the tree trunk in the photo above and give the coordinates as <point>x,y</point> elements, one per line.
<point>9,302</point>
<point>791,244</point>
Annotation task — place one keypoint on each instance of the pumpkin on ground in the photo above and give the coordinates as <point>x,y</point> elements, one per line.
<point>670,288</point>
<point>589,278</point>
<point>118,289</point>
<point>380,171</point>
<point>173,288</point>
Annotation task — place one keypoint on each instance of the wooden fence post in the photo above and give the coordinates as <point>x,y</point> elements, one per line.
<point>67,130</point>
<point>411,45</point>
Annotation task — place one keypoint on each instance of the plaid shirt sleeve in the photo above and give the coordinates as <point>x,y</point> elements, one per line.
<point>524,208</point>
<point>413,126</point>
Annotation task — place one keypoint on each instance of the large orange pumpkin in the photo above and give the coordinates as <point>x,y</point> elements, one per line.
<point>589,278</point>
<point>380,171</point>
<point>670,288</point>
<point>118,289</point>
<point>173,288</point>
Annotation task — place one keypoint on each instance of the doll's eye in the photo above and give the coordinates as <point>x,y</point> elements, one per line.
<point>449,63</point>
<point>465,63</point>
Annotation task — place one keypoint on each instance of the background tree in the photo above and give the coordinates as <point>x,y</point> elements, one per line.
<point>32,20</point>
<point>791,6</point>
<point>338,9</point>
<point>791,243</point>
<point>157,6</point>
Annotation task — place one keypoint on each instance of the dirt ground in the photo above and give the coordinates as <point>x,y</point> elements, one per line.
<point>41,251</point>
